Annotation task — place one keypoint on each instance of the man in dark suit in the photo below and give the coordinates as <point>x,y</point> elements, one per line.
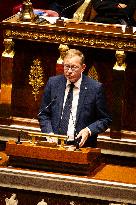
<point>88,114</point>
<point>115,11</point>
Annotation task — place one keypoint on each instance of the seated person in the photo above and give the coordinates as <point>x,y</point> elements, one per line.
<point>115,11</point>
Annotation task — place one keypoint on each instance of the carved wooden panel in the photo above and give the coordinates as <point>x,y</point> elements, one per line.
<point>23,101</point>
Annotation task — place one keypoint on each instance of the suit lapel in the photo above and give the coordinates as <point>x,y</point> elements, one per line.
<point>82,94</point>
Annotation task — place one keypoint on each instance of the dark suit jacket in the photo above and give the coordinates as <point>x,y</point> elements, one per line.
<point>91,110</point>
<point>108,12</point>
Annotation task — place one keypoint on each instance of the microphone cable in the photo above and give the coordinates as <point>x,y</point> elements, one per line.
<point>68,7</point>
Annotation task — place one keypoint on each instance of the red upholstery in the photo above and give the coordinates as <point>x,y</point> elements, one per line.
<point>50,13</point>
<point>17,8</point>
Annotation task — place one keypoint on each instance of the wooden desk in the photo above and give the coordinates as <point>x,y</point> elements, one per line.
<point>81,34</point>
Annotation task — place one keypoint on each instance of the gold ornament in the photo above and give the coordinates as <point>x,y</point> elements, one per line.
<point>63,50</point>
<point>36,77</point>
<point>92,73</point>
<point>27,13</point>
<point>120,63</point>
<point>9,51</point>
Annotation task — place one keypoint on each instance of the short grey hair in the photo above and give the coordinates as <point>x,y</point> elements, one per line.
<point>74,52</point>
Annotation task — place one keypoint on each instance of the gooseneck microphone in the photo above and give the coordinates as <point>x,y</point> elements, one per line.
<point>21,131</point>
<point>44,109</point>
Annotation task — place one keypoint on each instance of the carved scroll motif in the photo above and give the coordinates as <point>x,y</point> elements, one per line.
<point>75,39</point>
<point>92,73</point>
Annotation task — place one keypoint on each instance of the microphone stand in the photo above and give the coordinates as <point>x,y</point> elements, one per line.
<point>44,109</point>
<point>21,131</point>
<point>19,137</point>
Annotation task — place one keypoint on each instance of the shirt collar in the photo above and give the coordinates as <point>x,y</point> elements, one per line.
<point>77,84</point>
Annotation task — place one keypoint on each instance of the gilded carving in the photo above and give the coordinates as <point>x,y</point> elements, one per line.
<point>35,36</point>
<point>99,41</point>
<point>91,42</point>
<point>64,39</point>
<point>27,13</point>
<point>120,63</point>
<point>79,14</point>
<point>120,45</point>
<point>93,73</point>
<point>3,85</point>
<point>63,49</point>
<point>36,77</point>
<point>11,200</point>
<point>72,203</point>
<point>42,202</point>
<point>8,32</point>
<point>8,52</point>
<point>118,203</point>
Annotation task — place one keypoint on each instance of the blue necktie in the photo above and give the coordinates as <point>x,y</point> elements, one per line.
<point>66,111</point>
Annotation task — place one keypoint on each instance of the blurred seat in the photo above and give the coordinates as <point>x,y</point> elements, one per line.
<point>50,13</point>
<point>17,8</point>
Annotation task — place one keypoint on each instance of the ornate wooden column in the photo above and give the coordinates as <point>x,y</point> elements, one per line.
<point>118,94</point>
<point>6,78</point>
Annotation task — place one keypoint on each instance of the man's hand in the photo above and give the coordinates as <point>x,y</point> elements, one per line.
<point>84,134</point>
<point>122,6</point>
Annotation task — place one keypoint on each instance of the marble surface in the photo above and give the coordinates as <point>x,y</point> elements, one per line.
<point>67,185</point>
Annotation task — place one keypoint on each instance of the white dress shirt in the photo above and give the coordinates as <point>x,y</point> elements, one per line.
<point>72,120</point>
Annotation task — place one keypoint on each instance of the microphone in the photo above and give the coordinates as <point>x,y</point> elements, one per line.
<point>21,131</point>
<point>60,21</point>
<point>44,109</point>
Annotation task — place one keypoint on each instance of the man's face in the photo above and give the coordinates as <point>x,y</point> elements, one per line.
<point>73,68</point>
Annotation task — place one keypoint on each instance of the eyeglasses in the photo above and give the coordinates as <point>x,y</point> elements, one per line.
<point>72,67</point>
